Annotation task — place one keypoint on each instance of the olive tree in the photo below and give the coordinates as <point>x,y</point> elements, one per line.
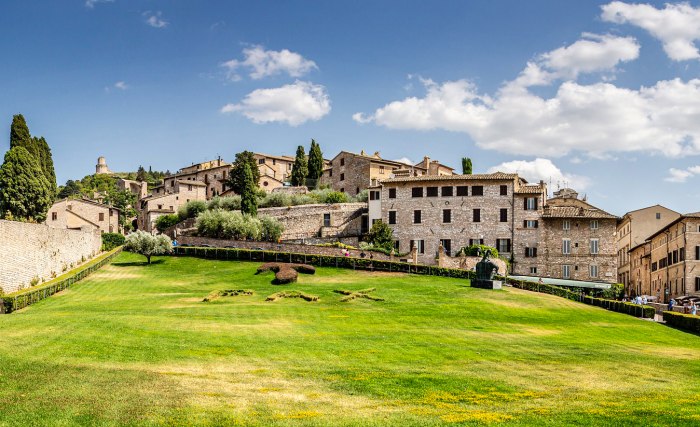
<point>147,244</point>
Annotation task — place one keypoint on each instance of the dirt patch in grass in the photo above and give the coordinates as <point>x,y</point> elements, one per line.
<point>291,294</point>
<point>214,295</point>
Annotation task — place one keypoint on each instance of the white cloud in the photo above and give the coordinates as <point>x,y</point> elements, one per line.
<point>597,119</point>
<point>90,4</point>
<point>155,19</point>
<point>682,175</point>
<point>542,169</point>
<point>121,85</point>
<point>264,63</point>
<point>294,104</point>
<point>405,160</point>
<point>677,26</point>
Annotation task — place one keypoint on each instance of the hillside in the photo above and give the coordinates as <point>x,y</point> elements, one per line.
<point>136,345</point>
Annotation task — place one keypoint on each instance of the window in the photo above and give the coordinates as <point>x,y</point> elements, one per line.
<point>504,190</point>
<point>476,215</point>
<point>447,246</point>
<point>416,216</point>
<point>342,189</point>
<point>504,215</point>
<point>374,195</point>
<point>533,270</point>
<point>594,270</point>
<point>54,216</point>
<point>101,216</point>
<point>392,193</point>
<point>432,191</point>
<point>462,190</point>
<point>419,245</point>
<point>261,161</point>
<point>697,284</point>
<point>342,177</point>
<point>381,170</point>
<point>565,271</point>
<point>697,253</point>
<point>326,220</point>
<point>357,190</point>
<point>447,191</point>
<point>392,217</point>
<point>681,254</point>
<point>566,246</point>
<point>330,173</point>
<point>594,246</point>
<point>594,224</point>
<point>273,163</point>
<point>566,225</point>
<point>342,161</point>
<point>658,215</point>
<point>473,242</point>
<point>397,245</point>
<point>530,203</point>
<point>503,245</point>
<point>417,192</point>
<point>529,223</point>
<point>477,190</point>
<point>530,252</point>
<point>447,216</point>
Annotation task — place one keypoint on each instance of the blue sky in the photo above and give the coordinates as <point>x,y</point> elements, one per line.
<point>599,95</point>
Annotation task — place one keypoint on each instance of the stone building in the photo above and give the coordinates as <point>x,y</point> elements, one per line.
<point>101,167</point>
<point>577,240</point>
<point>163,203</point>
<point>500,210</point>
<point>351,173</point>
<point>632,230</point>
<point>213,174</point>
<point>675,259</point>
<point>639,270</point>
<point>77,214</point>
<point>138,188</point>
<point>276,168</point>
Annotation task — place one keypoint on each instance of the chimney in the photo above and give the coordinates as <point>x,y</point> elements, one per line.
<point>376,154</point>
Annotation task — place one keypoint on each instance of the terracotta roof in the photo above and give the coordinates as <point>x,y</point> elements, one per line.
<point>497,176</point>
<point>530,189</point>
<point>269,156</point>
<point>574,212</point>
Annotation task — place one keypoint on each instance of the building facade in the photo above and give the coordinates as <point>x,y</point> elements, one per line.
<point>76,214</point>
<point>165,203</point>
<point>213,174</point>
<point>632,230</point>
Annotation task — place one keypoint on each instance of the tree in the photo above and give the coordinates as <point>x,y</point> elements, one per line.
<point>166,221</point>
<point>147,244</point>
<point>71,189</point>
<point>19,133</point>
<point>299,169</point>
<point>315,164</point>
<point>141,174</point>
<point>381,235</point>
<point>24,191</point>
<point>249,201</point>
<point>466,166</point>
<point>37,148</point>
<point>237,175</point>
<point>46,162</point>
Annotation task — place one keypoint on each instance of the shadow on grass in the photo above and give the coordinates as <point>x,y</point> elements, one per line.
<point>137,263</point>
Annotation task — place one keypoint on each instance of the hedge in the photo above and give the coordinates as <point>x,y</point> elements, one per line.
<point>686,322</point>
<point>320,260</point>
<point>545,289</point>
<point>622,307</point>
<point>22,299</point>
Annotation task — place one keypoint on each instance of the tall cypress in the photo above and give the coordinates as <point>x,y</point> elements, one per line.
<point>19,133</point>
<point>236,176</point>
<point>466,166</point>
<point>25,193</point>
<point>249,201</point>
<point>315,164</point>
<point>299,169</point>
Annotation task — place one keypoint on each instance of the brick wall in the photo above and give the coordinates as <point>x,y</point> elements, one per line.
<point>36,250</point>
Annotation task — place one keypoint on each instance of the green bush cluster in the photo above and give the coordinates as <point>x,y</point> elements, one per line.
<point>687,322</point>
<point>622,307</point>
<point>477,250</point>
<point>227,203</point>
<point>166,221</point>
<point>544,288</point>
<point>222,224</point>
<point>26,298</point>
<point>191,209</point>
<point>111,241</point>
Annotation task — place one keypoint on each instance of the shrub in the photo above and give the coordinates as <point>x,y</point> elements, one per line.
<point>147,244</point>
<point>166,221</point>
<point>336,197</point>
<point>302,199</point>
<point>228,203</point>
<point>191,209</point>
<point>111,241</point>
<point>285,276</point>
<point>271,229</point>
<point>362,196</point>
<point>381,235</point>
<point>275,200</point>
<point>223,224</point>
<point>475,250</point>
<point>615,291</point>
<point>687,322</point>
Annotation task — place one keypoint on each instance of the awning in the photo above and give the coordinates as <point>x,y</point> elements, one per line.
<point>564,282</point>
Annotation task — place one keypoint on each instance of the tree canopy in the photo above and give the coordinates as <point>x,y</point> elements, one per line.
<point>147,244</point>
<point>315,164</point>
<point>466,166</point>
<point>249,199</point>
<point>299,168</point>
<point>237,176</point>
<point>25,193</point>
<point>381,235</point>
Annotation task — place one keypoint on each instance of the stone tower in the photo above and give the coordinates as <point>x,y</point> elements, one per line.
<point>101,166</point>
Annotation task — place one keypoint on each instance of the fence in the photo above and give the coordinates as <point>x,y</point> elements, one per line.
<point>22,299</point>
<point>321,261</point>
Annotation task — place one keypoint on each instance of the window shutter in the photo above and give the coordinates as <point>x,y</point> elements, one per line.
<point>525,203</point>
<point>524,223</point>
<point>535,203</point>
<point>534,252</point>
<point>537,223</point>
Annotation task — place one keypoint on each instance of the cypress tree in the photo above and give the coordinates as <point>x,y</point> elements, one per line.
<point>237,176</point>
<point>299,169</point>
<point>249,202</point>
<point>24,190</point>
<point>141,174</point>
<point>19,133</point>
<point>315,164</point>
<point>46,162</point>
<point>466,166</point>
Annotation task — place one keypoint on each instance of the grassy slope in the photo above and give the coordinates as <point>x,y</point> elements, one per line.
<point>135,345</point>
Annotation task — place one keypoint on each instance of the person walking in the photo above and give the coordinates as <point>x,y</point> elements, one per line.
<point>671,304</point>
<point>693,308</point>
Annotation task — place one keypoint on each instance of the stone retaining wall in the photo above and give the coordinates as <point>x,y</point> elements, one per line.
<point>38,252</point>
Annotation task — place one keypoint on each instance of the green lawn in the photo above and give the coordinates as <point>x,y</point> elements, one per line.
<point>135,345</point>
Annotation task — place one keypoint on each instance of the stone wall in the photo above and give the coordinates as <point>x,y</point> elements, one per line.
<point>469,263</point>
<point>36,251</point>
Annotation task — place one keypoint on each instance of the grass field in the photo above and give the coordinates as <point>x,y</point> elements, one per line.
<point>135,345</point>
